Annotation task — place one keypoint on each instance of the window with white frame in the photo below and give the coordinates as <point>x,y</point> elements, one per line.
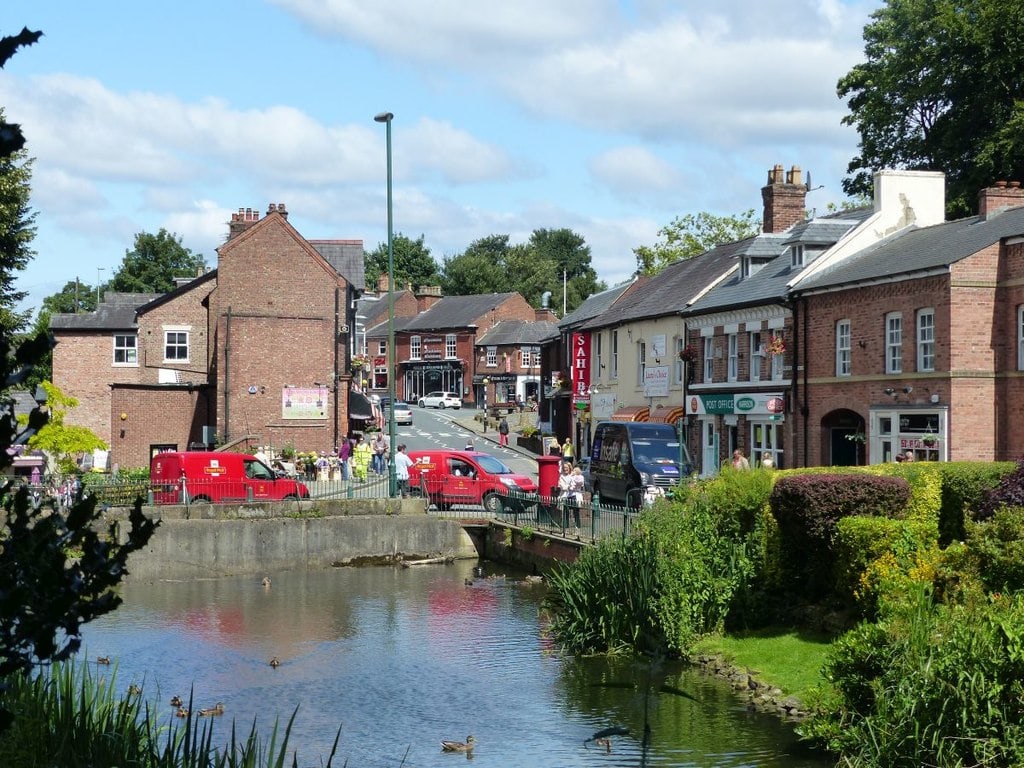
<point>926,339</point>
<point>598,355</point>
<point>778,365</point>
<point>641,362</point>
<point>796,256</point>
<point>734,357</point>
<point>677,373</point>
<point>492,357</point>
<point>415,347</point>
<point>1020,338</point>
<point>844,352</point>
<point>382,347</point>
<point>451,346</point>
<point>126,350</point>
<point>613,369</point>
<point>176,346</point>
<point>709,359</point>
<point>756,355</point>
<point>894,343</point>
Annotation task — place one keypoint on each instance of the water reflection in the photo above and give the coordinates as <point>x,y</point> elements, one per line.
<point>400,659</point>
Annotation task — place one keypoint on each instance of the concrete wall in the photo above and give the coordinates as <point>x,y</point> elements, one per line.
<point>242,540</point>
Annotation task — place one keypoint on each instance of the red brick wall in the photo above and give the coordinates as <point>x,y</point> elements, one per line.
<point>83,368</point>
<point>184,311</point>
<point>157,415</point>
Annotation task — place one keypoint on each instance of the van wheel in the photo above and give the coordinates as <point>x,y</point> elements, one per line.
<point>441,505</point>
<point>291,497</point>
<point>493,504</point>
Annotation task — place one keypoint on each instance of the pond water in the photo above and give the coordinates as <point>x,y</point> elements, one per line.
<point>401,658</point>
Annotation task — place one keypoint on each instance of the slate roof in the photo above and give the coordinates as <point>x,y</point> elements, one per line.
<point>517,333</point>
<point>769,285</point>
<point>675,287</point>
<point>455,312</point>
<point>595,304</point>
<point>919,249</point>
<point>347,257</point>
<point>116,312</point>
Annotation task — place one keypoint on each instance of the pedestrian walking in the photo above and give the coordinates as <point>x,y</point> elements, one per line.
<point>362,455</point>
<point>739,461</point>
<point>503,431</point>
<point>568,452</point>
<point>345,455</point>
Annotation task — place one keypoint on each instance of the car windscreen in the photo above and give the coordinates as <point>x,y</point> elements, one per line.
<point>491,465</point>
<point>655,451</point>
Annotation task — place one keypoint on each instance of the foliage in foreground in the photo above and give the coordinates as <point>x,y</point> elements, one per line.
<point>65,716</point>
<point>929,684</point>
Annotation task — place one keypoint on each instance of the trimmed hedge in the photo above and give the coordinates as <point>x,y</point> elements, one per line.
<point>808,507</point>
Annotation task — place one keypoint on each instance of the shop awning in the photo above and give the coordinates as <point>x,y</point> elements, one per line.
<point>667,414</point>
<point>359,406</point>
<point>632,413</point>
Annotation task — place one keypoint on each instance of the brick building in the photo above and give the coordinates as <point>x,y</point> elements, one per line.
<point>255,352</point>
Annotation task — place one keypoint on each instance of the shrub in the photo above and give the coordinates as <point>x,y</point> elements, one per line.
<point>1009,492</point>
<point>997,547</point>
<point>964,485</point>
<point>807,508</point>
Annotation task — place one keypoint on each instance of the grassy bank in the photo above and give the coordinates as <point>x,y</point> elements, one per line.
<point>788,659</point>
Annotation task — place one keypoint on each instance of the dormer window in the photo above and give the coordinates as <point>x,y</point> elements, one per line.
<point>750,265</point>
<point>796,256</point>
<point>802,255</point>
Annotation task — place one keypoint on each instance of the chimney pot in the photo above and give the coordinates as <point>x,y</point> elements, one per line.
<point>1001,184</point>
<point>1014,185</point>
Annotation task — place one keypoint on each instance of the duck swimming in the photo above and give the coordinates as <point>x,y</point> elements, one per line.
<point>176,701</point>
<point>181,712</point>
<point>275,662</point>
<point>102,659</point>
<point>217,709</point>
<point>458,746</point>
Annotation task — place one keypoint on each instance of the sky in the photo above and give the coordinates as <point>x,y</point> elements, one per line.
<point>607,117</point>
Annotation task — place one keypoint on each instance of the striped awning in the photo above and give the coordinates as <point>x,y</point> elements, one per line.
<point>632,413</point>
<point>668,414</point>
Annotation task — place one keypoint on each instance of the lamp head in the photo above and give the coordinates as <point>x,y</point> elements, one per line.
<point>384,117</point>
<point>890,391</point>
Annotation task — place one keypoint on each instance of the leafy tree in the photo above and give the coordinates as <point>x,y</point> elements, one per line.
<point>60,440</point>
<point>57,571</point>
<point>154,263</point>
<point>942,89</point>
<point>413,263</point>
<point>693,234</point>
<point>481,268</point>
<point>570,256</point>
<point>17,231</point>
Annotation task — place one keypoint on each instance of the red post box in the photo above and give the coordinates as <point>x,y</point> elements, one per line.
<point>547,475</point>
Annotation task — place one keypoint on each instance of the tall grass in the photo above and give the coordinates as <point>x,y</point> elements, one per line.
<point>64,716</point>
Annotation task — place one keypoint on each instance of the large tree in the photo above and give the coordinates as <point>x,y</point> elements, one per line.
<point>154,262</point>
<point>693,234</point>
<point>17,230</point>
<point>481,268</point>
<point>413,263</point>
<point>58,570</point>
<point>942,88</point>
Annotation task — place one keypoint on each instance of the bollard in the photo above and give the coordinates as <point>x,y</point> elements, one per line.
<point>350,491</point>
<point>149,497</point>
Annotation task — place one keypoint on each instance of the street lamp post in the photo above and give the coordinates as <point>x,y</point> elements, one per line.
<point>485,382</point>
<point>386,118</point>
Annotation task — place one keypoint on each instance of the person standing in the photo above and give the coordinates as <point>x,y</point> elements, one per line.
<point>402,466</point>
<point>568,452</point>
<point>503,431</point>
<point>380,448</point>
<point>361,458</point>
<point>344,454</point>
<point>739,461</point>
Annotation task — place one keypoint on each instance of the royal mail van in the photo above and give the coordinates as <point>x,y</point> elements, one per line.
<point>196,476</point>
<point>466,477</point>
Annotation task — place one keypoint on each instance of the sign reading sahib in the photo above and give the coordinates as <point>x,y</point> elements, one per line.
<point>581,367</point>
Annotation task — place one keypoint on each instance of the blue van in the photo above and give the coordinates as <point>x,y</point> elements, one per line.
<point>629,456</point>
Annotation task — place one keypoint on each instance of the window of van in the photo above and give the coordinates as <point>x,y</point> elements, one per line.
<point>492,466</point>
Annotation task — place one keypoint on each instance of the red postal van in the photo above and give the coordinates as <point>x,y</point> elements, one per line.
<point>197,476</point>
<point>466,477</point>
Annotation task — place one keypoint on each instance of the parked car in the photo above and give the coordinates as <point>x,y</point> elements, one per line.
<point>440,400</point>
<point>403,412</point>
<point>466,477</point>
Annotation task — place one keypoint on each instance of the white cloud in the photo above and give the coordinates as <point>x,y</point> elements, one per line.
<point>634,173</point>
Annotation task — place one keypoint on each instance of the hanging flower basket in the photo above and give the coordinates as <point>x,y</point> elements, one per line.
<point>929,439</point>
<point>359,362</point>
<point>688,354</point>
<point>776,345</point>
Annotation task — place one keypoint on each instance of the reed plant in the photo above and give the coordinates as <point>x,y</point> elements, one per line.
<point>67,716</point>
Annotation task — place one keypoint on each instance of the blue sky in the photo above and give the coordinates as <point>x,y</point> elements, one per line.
<point>610,118</point>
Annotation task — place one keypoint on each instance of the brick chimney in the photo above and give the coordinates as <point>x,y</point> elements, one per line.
<point>427,296</point>
<point>784,199</point>
<point>545,315</point>
<point>278,208</point>
<point>999,197</point>
<point>241,221</point>
<point>383,283</point>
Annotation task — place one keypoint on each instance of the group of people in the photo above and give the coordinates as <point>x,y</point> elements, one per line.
<point>739,461</point>
<point>355,459</point>
<point>571,486</point>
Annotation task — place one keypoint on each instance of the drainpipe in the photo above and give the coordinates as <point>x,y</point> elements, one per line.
<point>337,370</point>
<point>227,371</point>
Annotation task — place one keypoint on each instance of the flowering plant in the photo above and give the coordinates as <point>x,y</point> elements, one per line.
<point>359,362</point>
<point>776,345</point>
<point>688,353</point>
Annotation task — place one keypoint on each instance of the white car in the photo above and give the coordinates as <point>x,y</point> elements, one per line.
<point>440,400</point>
<point>403,413</point>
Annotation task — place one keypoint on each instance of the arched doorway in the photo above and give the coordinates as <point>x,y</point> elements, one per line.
<point>843,442</point>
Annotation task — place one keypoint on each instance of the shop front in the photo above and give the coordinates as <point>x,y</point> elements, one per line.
<point>921,432</point>
<point>749,421</point>
<point>419,378</point>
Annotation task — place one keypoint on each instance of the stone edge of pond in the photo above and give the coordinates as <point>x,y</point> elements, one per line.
<point>759,696</point>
